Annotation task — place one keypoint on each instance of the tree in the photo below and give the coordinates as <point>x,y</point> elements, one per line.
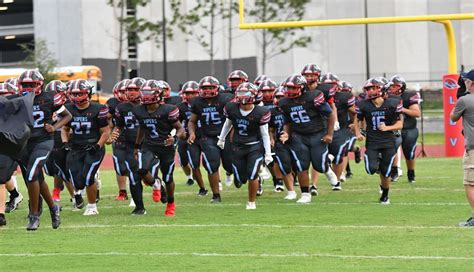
<point>39,57</point>
<point>276,41</point>
<point>193,22</point>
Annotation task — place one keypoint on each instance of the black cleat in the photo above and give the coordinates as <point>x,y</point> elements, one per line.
<point>349,175</point>
<point>138,211</point>
<point>190,182</point>
<point>216,199</point>
<point>13,203</point>
<point>357,157</point>
<point>79,201</point>
<point>202,192</point>
<point>55,219</point>
<point>394,174</point>
<point>3,221</point>
<point>384,200</point>
<point>468,223</point>
<point>33,222</point>
<point>337,187</point>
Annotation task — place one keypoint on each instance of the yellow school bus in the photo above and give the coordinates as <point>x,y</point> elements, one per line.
<point>91,73</point>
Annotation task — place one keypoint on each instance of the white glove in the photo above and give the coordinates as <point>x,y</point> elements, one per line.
<point>336,126</point>
<point>268,159</point>
<point>220,144</point>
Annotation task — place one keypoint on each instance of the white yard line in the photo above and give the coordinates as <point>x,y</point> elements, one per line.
<point>267,226</point>
<point>243,255</point>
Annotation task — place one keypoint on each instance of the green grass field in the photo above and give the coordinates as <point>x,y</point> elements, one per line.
<point>341,231</point>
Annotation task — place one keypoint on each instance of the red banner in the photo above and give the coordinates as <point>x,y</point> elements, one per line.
<point>453,138</point>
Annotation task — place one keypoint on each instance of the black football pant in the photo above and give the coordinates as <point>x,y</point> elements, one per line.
<point>83,165</point>
<point>379,159</point>
<point>409,138</point>
<point>246,161</point>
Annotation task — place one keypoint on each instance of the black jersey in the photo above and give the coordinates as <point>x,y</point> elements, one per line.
<point>389,113</point>
<point>158,124</point>
<point>268,105</point>
<point>247,128</point>
<point>173,100</point>
<point>277,121</point>
<point>328,90</point>
<point>303,113</point>
<point>409,99</point>
<point>343,101</point>
<point>112,104</point>
<point>125,119</point>
<point>184,113</point>
<point>86,124</point>
<point>44,106</point>
<point>211,114</point>
<point>58,142</point>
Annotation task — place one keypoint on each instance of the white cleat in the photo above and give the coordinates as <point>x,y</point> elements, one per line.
<point>305,198</point>
<point>228,180</point>
<point>251,206</point>
<point>331,176</point>
<point>291,195</point>
<point>91,211</point>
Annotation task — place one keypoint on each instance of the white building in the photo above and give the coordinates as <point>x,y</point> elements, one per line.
<point>83,32</point>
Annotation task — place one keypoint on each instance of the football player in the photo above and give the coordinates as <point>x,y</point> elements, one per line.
<point>383,116</point>
<point>338,148</point>
<point>267,89</point>
<point>10,90</point>
<point>154,145</point>
<point>85,135</point>
<point>126,126</point>
<point>411,111</point>
<point>312,74</point>
<point>40,144</point>
<point>7,165</point>
<point>167,98</point>
<point>118,146</point>
<point>310,131</point>
<point>234,80</point>
<point>205,124</point>
<point>189,91</point>
<point>282,155</point>
<point>55,165</point>
<point>352,146</point>
<point>251,141</point>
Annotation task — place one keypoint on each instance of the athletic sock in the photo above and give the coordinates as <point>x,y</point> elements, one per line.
<point>304,189</point>
<point>384,193</point>
<point>157,185</point>
<point>216,195</point>
<point>189,176</point>
<point>170,199</point>
<point>13,193</point>
<point>348,168</point>
<point>137,194</point>
<point>411,173</point>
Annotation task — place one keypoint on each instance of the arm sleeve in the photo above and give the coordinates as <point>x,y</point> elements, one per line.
<point>173,115</point>
<point>119,120</point>
<point>265,139</point>
<point>225,129</point>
